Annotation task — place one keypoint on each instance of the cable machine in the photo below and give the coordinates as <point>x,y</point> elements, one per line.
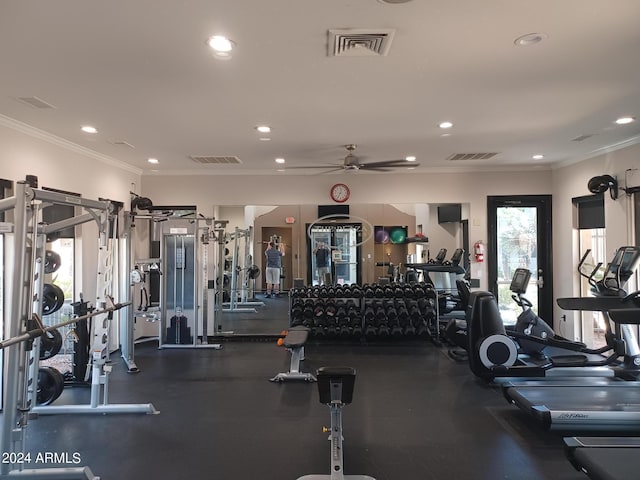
<point>173,284</point>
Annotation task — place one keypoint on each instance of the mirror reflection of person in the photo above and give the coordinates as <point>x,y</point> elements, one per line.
<point>274,265</point>
<point>322,253</point>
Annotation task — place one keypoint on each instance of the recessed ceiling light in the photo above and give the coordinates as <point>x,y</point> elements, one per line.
<point>220,43</point>
<point>446,125</point>
<point>445,134</point>
<point>153,160</point>
<point>410,158</point>
<point>89,129</point>
<point>221,46</point>
<point>280,160</point>
<point>263,128</point>
<point>625,120</point>
<point>538,157</point>
<point>265,139</point>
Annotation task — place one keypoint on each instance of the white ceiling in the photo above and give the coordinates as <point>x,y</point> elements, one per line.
<point>140,71</point>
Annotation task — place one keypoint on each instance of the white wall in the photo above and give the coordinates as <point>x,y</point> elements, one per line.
<point>471,188</point>
<point>61,165</point>
<point>569,182</point>
<point>64,166</point>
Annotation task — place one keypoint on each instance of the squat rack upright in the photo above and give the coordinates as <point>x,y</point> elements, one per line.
<point>21,362</point>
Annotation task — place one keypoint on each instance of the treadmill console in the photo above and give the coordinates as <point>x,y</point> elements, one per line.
<point>520,281</point>
<point>457,256</point>
<point>440,257</point>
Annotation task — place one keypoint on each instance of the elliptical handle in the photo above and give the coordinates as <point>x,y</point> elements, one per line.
<point>590,276</point>
<point>521,301</point>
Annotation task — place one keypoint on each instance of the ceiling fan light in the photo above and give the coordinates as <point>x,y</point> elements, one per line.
<point>410,158</point>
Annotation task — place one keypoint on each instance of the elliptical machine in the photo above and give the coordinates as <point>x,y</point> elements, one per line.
<point>495,351</point>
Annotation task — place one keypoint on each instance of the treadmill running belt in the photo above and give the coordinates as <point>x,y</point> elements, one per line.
<point>614,407</point>
<point>604,463</point>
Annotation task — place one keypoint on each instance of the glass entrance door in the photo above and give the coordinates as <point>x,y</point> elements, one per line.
<point>520,237</point>
<point>333,254</point>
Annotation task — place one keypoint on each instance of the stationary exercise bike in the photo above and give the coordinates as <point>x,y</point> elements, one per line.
<point>335,386</point>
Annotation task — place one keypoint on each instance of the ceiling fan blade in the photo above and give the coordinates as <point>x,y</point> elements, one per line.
<point>329,165</point>
<point>387,163</point>
<point>338,169</point>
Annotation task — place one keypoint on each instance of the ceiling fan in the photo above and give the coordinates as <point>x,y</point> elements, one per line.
<point>351,163</point>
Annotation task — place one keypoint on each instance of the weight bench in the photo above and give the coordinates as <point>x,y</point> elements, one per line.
<point>335,386</point>
<point>294,342</point>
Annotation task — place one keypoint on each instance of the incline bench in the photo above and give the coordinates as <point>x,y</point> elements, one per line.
<point>294,342</point>
<point>335,388</point>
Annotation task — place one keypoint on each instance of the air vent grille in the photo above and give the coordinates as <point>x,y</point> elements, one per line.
<point>215,160</point>
<point>471,156</point>
<point>358,42</point>
<point>35,102</point>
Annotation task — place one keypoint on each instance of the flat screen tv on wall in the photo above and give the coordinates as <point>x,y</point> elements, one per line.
<point>450,213</point>
<point>338,211</point>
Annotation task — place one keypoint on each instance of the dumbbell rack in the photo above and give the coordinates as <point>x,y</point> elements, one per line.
<point>379,312</point>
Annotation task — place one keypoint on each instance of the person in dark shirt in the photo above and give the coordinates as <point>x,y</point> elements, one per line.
<point>322,254</point>
<point>274,265</point>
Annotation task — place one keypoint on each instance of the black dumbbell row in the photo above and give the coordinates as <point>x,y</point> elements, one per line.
<point>401,316</point>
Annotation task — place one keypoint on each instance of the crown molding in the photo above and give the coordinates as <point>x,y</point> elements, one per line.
<point>21,127</point>
<point>629,142</point>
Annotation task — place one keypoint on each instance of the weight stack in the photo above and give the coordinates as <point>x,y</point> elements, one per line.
<point>179,333</point>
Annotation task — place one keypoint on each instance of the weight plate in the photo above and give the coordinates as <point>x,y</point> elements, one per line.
<point>52,298</point>
<point>52,261</point>
<point>50,385</point>
<point>50,344</point>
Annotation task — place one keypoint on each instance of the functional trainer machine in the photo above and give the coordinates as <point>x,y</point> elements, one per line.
<point>181,269</point>
<point>335,387</point>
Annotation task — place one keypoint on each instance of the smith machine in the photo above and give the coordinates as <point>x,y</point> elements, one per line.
<point>25,255</point>
<point>241,273</point>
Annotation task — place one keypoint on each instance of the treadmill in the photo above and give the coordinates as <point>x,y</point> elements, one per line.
<point>605,458</point>
<point>594,407</point>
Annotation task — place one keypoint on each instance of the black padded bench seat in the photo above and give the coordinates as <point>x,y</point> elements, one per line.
<point>296,337</point>
<point>294,342</point>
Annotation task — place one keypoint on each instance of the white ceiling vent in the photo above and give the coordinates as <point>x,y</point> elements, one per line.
<point>471,156</point>
<point>215,160</point>
<point>359,42</point>
<point>34,102</point>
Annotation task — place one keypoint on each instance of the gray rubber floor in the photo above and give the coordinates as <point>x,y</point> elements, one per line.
<point>416,415</point>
